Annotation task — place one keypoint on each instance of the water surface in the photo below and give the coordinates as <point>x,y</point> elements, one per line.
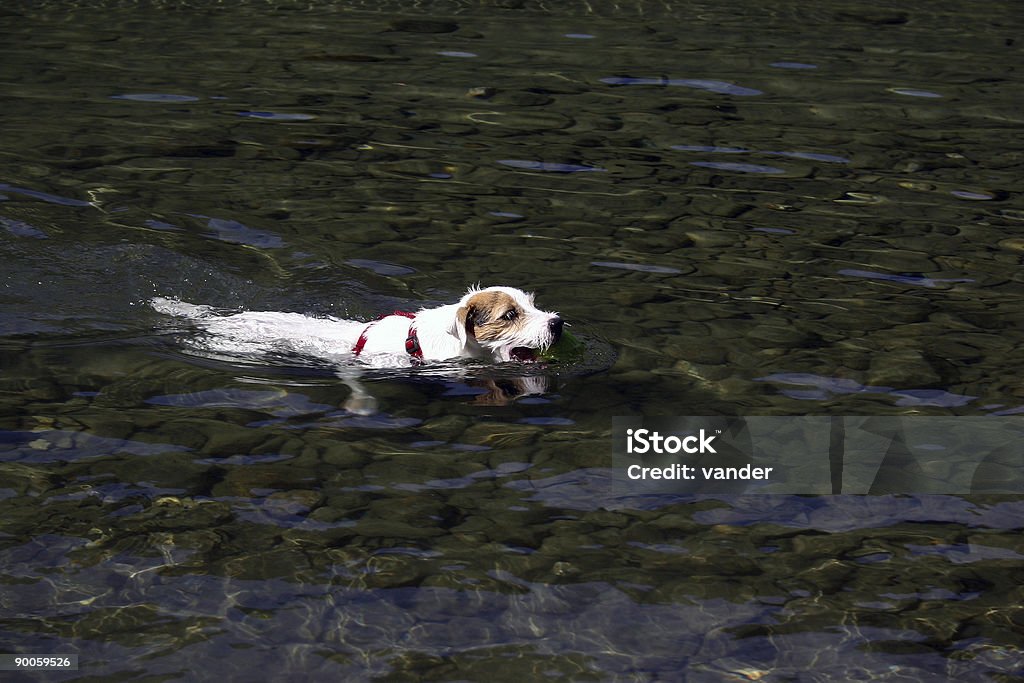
<point>746,208</point>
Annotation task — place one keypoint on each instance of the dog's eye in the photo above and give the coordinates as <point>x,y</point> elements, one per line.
<point>510,315</point>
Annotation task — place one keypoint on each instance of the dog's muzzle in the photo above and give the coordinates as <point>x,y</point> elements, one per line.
<point>525,354</point>
<point>555,327</point>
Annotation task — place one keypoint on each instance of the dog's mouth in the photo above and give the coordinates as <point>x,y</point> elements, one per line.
<point>523,354</point>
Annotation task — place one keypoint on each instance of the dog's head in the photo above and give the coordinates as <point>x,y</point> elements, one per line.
<point>506,324</point>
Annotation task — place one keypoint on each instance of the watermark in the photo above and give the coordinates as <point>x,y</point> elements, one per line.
<point>38,662</point>
<point>819,455</point>
<point>646,441</point>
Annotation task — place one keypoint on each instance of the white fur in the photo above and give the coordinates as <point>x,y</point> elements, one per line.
<point>440,334</point>
<point>534,334</point>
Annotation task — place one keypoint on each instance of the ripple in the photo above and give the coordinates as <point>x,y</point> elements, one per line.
<point>469,447</point>
<point>380,267</point>
<point>246,459</point>
<point>548,166</point>
<point>547,421</point>
<point>276,116</point>
<point>775,231</point>
<point>1011,214</point>
<point>976,196</point>
<point>739,168</point>
<point>793,65</point>
<point>715,149</point>
<point>44,196</point>
<point>711,148</point>
<point>834,385</point>
<point>913,92</point>
<point>579,36</point>
<point>427,444</point>
<point>22,229</point>
<point>720,87</point>
<point>232,231</point>
<point>409,552</point>
<point>813,156</point>
<point>155,97</point>
<point>378,421</point>
<point>55,445</point>
<point>276,402</point>
<point>903,279</point>
<point>1009,411</point>
<point>160,225</point>
<point>642,267</point>
<point>457,53</point>
<point>805,394</point>
<point>961,553</point>
<point>823,388</point>
<point>931,397</point>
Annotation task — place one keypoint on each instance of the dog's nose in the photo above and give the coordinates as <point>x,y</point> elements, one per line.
<point>555,326</point>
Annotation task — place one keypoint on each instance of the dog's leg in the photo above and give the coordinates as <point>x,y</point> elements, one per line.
<point>360,401</point>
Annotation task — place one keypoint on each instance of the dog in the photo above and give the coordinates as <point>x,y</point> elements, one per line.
<point>495,324</point>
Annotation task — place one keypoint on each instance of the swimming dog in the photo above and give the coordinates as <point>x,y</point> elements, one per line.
<point>496,324</point>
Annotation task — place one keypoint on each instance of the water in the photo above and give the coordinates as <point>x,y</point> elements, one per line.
<point>743,208</point>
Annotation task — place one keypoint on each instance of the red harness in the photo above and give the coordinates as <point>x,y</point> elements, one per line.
<point>412,342</point>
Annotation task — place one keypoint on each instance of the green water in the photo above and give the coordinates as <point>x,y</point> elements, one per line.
<point>745,209</point>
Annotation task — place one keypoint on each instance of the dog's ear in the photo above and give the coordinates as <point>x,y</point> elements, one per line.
<point>463,325</point>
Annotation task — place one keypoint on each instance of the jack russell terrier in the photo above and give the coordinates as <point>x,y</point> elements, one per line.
<point>496,324</point>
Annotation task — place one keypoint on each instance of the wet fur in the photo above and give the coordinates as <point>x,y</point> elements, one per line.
<point>496,324</point>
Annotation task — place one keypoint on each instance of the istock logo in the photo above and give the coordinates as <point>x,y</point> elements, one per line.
<point>645,441</point>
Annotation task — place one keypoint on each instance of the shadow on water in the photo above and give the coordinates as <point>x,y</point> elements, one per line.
<point>743,209</point>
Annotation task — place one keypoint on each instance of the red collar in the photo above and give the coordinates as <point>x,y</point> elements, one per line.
<point>412,342</point>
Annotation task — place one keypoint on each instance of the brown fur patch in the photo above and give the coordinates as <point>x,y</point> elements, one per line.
<point>484,316</point>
